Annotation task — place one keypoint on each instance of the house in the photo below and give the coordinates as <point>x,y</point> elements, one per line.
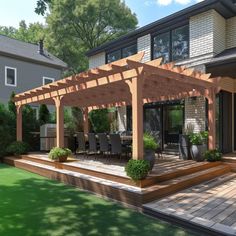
<point>202,37</point>
<point>24,66</point>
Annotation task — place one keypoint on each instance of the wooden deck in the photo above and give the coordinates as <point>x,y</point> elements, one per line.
<point>108,178</point>
<point>210,205</point>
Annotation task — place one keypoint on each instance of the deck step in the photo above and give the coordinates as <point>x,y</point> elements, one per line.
<point>171,186</point>
<point>126,194</point>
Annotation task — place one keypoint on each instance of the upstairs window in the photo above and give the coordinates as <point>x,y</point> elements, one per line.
<point>161,47</point>
<point>121,53</point>
<point>113,56</point>
<point>180,43</point>
<point>10,76</point>
<point>172,45</point>
<point>129,51</point>
<point>47,80</point>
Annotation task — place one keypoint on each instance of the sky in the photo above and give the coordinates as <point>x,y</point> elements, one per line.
<point>147,11</point>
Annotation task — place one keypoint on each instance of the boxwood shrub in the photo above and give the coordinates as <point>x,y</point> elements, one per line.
<point>137,169</point>
<point>213,155</point>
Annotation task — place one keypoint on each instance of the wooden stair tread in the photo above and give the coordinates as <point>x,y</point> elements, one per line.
<point>180,179</point>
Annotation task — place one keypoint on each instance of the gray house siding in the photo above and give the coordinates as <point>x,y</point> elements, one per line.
<point>29,76</point>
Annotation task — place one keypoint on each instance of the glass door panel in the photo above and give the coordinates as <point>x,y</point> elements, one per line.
<point>173,120</point>
<point>152,122</point>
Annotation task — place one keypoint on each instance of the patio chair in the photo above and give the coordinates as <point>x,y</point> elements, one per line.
<point>116,146</point>
<point>156,135</point>
<point>104,146</point>
<point>93,147</point>
<point>82,147</point>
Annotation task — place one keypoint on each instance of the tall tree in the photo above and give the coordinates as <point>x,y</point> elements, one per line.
<point>92,22</point>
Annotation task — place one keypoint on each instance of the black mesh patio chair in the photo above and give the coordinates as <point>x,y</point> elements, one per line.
<point>116,146</point>
<point>82,147</point>
<point>93,147</point>
<point>104,146</point>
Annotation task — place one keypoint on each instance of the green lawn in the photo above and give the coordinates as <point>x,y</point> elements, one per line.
<point>33,205</point>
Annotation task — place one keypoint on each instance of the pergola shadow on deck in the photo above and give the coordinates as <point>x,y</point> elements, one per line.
<point>124,82</point>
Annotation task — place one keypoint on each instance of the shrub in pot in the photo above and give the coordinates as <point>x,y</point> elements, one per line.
<point>137,169</point>
<point>198,145</point>
<point>150,146</point>
<point>213,155</point>
<point>17,148</point>
<point>59,154</point>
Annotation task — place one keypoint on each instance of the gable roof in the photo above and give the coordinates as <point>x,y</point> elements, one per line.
<point>227,8</point>
<point>26,51</point>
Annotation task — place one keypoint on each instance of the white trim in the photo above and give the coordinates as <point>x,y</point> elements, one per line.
<point>15,71</point>
<point>48,78</point>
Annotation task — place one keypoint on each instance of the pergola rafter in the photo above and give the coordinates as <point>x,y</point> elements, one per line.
<point>124,82</point>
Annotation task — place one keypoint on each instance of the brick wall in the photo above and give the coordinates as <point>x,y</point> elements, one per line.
<point>97,60</point>
<point>144,44</point>
<point>207,34</point>
<point>195,113</point>
<point>231,32</point>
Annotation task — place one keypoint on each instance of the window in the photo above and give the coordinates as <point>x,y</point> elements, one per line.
<point>113,56</point>
<point>129,51</point>
<point>47,80</point>
<point>122,53</point>
<point>161,47</point>
<point>10,76</point>
<point>172,45</point>
<point>180,43</point>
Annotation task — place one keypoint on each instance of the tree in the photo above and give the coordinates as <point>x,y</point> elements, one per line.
<point>42,7</point>
<point>44,114</point>
<point>100,120</point>
<point>31,33</point>
<point>11,104</point>
<point>91,22</point>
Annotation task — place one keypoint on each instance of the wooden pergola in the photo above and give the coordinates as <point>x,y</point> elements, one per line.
<point>124,82</point>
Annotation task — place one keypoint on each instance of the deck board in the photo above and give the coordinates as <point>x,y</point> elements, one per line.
<point>211,204</point>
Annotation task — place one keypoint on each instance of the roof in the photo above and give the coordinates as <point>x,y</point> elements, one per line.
<point>223,64</point>
<point>228,55</point>
<point>27,51</point>
<point>227,8</point>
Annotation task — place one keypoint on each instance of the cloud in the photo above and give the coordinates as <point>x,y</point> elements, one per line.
<point>182,2</point>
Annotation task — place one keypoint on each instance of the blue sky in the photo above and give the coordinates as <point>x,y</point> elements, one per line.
<point>147,11</point>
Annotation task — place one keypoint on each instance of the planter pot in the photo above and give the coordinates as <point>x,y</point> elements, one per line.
<point>184,147</point>
<point>149,155</point>
<point>198,151</point>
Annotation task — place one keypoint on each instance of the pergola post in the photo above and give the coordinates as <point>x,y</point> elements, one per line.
<point>19,123</point>
<point>60,121</point>
<point>85,120</point>
<point>137,117</point>
<point>211,119</point>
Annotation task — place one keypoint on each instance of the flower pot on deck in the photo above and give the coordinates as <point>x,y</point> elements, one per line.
<point>149,155</point>
<point>198,151</point>
<point>184,147</point>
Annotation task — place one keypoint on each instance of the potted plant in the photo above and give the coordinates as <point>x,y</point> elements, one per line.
<point>137,169</point>
<point>150,146</point>
<point>198,145</point>
<point>213,155</point>
<point>184,142</point>
<point>59,154</point>
<point>17,148</point>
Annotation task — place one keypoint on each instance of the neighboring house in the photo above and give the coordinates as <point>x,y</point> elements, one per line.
<point>202,36</point>
<point>24,66</point>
